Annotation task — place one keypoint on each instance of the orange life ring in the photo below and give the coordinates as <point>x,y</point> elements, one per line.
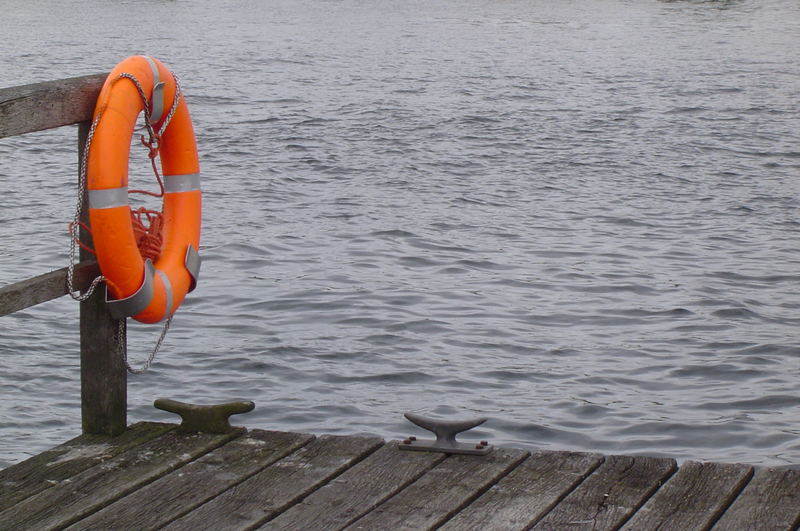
<point>148,292</point>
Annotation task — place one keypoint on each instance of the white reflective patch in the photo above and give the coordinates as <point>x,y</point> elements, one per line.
<point>192,263</point>
<point>136,303</point>
<point>168,288</point>
<point>181,183</point>
<point>108,198</point>
<point>157,97</point>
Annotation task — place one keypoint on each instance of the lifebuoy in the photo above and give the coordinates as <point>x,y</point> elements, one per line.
<point>136,287</point>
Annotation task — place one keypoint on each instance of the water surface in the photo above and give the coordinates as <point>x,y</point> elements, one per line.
<point>578,219</point>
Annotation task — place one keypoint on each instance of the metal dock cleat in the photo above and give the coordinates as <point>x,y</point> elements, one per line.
<point>445,431</point>
<point>205,419</point>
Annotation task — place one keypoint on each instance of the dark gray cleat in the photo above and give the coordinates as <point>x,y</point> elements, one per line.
<point>206,419</point>
<point>445,431</point>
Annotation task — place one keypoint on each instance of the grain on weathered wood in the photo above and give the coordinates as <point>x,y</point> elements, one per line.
<point>42,471</point>
<point>49,286</point>
<point>104,377</point>
<point>442,491</point>
<point>771,501</point>
<point>610,495</point>
<point>86,492</point>
<point>177,493</point>
<point>526,494</point>
<point>357,490</point>
<point>47,105</point>
<point>693,498</point>
<point>335,482</point>
<point>280,485</point>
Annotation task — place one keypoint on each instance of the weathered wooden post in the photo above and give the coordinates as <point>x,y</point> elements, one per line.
<point>47,105</point>
<point>104,400</point>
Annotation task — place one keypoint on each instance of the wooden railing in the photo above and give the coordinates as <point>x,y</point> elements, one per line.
<point>48,105</point>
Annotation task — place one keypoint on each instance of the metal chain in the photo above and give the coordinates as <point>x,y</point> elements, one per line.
<point>75,227</point>
<point>151,357</point>
<point>156,136</point>
<point>175,101</point>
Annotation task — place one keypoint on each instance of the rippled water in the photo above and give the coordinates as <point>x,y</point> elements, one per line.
<point>576,218</point>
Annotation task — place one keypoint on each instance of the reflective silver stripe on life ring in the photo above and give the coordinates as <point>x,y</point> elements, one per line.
<point>168,288</point>
<point>192,262</point>
<point>136,303</point>
<point>157,98</point>
<point>181,183</point>
<point>108,198</point>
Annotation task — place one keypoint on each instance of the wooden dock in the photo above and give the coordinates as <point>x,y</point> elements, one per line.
<point>153,477</point>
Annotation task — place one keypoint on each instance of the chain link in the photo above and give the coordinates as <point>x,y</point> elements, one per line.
<point>75,226</point>
<point>124,351</point>
<point>153,145</point>
<point>155,137</point>
<point>175,101</point>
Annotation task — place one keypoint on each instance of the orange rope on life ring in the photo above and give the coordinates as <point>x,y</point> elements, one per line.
<point>146,288</point>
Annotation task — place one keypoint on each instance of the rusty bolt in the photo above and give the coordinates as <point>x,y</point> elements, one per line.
<point>407,441</point>
<point>412,438</point>
<point>484,443</point>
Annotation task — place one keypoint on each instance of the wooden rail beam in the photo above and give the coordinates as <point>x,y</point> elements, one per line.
<point>47,105</point>
<point>36,290</point>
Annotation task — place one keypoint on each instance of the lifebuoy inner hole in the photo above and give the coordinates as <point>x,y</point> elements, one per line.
<point>145,207</point>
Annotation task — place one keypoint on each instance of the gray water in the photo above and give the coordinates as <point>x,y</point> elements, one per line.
<point>576,218</point>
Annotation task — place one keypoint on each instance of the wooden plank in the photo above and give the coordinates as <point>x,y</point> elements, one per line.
<point>96,487</point>
<point>530,491</point>
<point>279,486</point>
<point>39,106</point>
<point>357,490</point>
<point>49,286</point>
<point>610,495</point>
<point>53,466</point>
<point>104,377</point>
<point>693,498</point>
<point>442,492</point>
<point>175,494</point>
<point>770,501</point>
